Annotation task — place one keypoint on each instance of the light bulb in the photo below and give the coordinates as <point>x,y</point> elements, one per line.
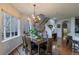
<point>33,16</point>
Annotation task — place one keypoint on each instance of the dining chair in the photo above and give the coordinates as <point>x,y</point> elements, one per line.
<point>29,46</point>
<point>75,46</point>
<point>69,41</point>
<point>48,45</point>
<point>24,42</point>
<point>43,48</point>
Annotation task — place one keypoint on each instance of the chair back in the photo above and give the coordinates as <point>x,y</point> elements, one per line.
<point>28,42</point>
<point>24,41</point>
<point>69,38</point>
<point>69,41</point>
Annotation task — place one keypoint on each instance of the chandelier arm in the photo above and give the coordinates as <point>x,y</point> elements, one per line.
<point>34,9</point>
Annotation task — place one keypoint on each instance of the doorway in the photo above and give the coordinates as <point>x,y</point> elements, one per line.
<point>64,31</point>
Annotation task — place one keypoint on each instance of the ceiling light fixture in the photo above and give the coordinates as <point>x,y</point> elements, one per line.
<point>34,16</point>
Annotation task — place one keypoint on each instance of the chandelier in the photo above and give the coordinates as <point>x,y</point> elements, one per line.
<point>35,17</point>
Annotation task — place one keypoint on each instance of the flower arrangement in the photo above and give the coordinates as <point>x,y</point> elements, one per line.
<point>35,33</point>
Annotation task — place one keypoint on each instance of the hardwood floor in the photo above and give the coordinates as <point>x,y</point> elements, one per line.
<point>61,49</point>
<point>64,50</point>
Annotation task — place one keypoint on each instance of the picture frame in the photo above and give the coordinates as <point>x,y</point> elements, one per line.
<point>76,24</point>
<point>58,25</point>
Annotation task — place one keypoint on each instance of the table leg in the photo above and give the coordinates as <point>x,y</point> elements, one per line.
<point>74,48</point>
<point>38,49</point>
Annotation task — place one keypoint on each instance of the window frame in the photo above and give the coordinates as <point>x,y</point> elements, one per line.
<point>4,27</point>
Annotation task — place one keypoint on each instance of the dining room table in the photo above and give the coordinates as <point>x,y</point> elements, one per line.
<point>38,42</point>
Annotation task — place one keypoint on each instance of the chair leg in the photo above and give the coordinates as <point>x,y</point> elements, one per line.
<point>18,51</point>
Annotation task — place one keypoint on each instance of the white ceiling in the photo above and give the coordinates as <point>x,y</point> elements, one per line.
<point>58,10</point>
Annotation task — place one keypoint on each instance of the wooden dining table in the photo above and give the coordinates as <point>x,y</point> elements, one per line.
<point>38,42</point>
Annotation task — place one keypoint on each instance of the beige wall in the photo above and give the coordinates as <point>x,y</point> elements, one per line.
<point>6,47</point>
<point>10,9</point>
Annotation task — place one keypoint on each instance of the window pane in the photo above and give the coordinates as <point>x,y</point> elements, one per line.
<point>12,26</point>
<point>16,27</point>
<point>7,25</point>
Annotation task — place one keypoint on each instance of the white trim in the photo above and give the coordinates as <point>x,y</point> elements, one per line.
<point>19,27</point>
<point>4,24</point>
<point>10,27</point>
<point>10,38</point>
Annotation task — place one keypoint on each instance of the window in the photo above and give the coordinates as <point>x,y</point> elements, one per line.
<point>11,26</point>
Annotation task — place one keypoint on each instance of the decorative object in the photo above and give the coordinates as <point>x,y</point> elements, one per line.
<point>50,26</point>
<point>76,24</point>
<point>58,25</point>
